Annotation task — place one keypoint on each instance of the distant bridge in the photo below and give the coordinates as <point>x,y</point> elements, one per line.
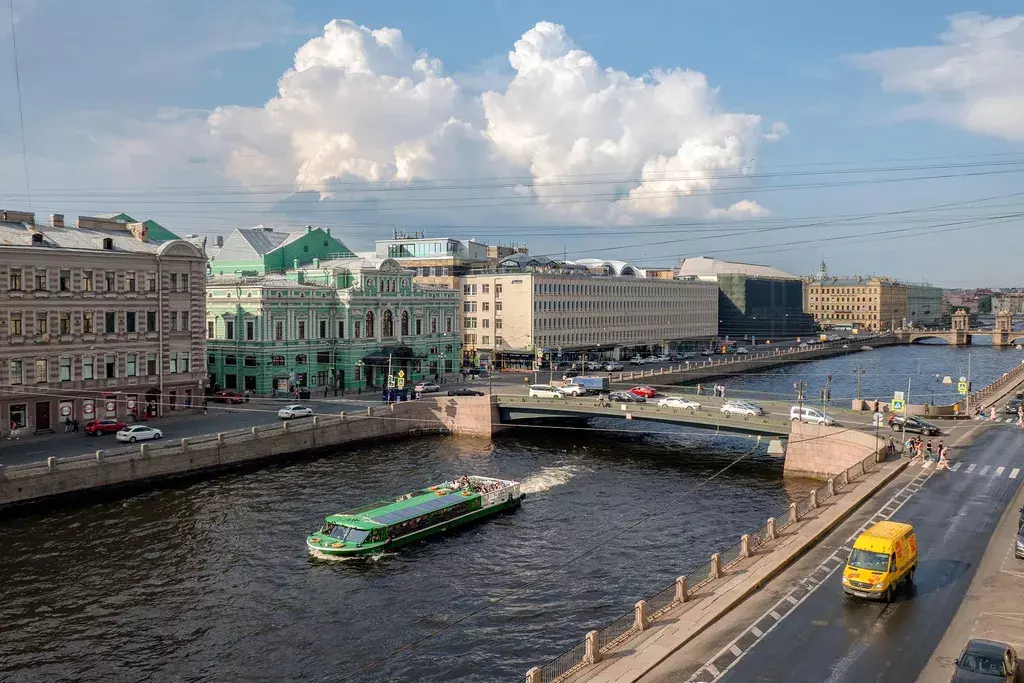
<point>960,333</point>
<point>512,409</point>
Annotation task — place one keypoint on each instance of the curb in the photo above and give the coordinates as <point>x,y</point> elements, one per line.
<point>795,555</point>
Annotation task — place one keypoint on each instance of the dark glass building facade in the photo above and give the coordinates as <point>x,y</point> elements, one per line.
<point>763,308</point>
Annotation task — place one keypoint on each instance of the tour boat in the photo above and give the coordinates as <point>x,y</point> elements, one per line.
<point>386,525</point>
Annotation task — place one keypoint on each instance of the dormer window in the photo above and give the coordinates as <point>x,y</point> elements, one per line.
<point>108,243</point>
<point>37,238</point>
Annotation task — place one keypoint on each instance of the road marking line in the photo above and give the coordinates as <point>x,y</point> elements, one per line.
<point>774,615</point>
<point>983,471</point>
<point>999,472</point>
<point>713,671</point>
<point>791,599</point>
<point>1014,472</point>
<point>970,468</point>
<point>756,631</point>
<point>926,464</point>
<point>955,467</point>
<point>735,650</point>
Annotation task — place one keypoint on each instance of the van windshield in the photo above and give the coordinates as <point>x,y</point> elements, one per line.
<point>871,561</point>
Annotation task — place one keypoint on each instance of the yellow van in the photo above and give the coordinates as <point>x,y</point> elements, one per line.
<point>883,557</point>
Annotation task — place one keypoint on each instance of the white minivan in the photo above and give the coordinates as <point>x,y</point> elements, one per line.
<point>545,391</point>
<point>810,415</point>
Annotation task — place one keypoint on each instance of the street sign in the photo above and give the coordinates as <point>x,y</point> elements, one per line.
<point>961,387</point>
<point>391,382</point>
<point>401,373</point>
<point>897,396</point>
<point>898,406</point>
<point>401,382</point>
<point>963,379</point>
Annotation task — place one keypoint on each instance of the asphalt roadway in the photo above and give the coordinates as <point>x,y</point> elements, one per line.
<point>801,628</point>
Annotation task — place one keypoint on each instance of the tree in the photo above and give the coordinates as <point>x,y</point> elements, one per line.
<point>985,304</point>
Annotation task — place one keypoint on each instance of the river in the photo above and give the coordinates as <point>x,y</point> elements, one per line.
<point>210,581</point>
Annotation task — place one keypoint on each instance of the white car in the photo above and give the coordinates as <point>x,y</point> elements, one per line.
<point>593,365</point>
<point>138,433</point>
<point>545,391</point>
<point>741,408</point>
<point>742,351</point>
<point>289,412</point>
<point>613,366</point>
<point>572,390</point>
<point>803,345</point>
<point>811,415</point>
<point>637,360</point>
<point>678,402</point>
<point>427,387</point>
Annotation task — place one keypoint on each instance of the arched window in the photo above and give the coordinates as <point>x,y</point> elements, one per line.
<point>277,360</point>
<point>369,323</point>
<point>405,323</point>
<point>387,324</point>
<point>433,326</point>
<point>300,359</point>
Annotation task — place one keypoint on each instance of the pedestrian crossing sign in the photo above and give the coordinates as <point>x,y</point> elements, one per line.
<point>962,388</point>
<point>898,406</point>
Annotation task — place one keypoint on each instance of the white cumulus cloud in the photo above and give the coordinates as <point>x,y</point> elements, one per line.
<point>973,78</point>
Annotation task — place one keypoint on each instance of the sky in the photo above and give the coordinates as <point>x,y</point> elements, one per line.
<point>881,138</point>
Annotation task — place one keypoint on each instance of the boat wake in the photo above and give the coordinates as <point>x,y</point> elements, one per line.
<point>549,477</point>
<point>366,559</point>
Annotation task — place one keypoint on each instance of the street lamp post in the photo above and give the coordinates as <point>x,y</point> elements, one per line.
<point>359,372</point>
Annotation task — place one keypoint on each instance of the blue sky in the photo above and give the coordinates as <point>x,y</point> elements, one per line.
<point>134,107</point>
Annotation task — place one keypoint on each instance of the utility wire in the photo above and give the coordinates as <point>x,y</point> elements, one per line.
<point>21,114</point>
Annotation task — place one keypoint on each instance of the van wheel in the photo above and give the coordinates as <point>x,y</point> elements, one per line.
<point>910,576</point>
<point>888,595</point>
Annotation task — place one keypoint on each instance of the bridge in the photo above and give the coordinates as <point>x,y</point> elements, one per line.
<point>960,333</point>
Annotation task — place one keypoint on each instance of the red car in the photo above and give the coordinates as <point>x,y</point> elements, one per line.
<point>643,390</point>
<point>228,396</point>
<point>98,427</point>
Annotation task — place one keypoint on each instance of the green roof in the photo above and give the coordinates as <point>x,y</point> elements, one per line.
<point>385,513</point>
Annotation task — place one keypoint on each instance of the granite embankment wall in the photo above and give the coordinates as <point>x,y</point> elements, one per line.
<point>157,460</point>
<point>821,452</point>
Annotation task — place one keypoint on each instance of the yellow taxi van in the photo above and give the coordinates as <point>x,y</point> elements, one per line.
<point>883,558</point>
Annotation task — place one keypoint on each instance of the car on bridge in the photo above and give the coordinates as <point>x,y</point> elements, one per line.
<point>985,660</point>
<point>572,390</point>
<point>545,391</point>
<point>644,390</point>
<point>612,366</point>
<point>292,412</point>
<point>637,360</point>
<point>625,397</point>
<point>464,391</point>
<point>742,408</point>
<point>811,415</point>
<point>913,424</point>
<point>678,402</point>
<point>742,351</point>
<point>1011,406</point>
<point>427,387</point>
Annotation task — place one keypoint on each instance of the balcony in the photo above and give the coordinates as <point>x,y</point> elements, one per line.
<point>41,293</point>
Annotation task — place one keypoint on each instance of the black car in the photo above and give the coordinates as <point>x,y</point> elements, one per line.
<point>985,660</point>
<point>626,397</point>
<point>1011,406</point>
<point>463,391</point>
<point>914,425</point>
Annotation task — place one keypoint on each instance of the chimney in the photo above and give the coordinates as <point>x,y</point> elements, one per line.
<point>316,262</point>
<point>219,240</point>
<point>18,216</point>
<point>300,277</point>
<point>57,220</point>
<point>295,264</point>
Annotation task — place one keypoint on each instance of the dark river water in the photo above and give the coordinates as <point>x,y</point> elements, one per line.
<point>211,581</point>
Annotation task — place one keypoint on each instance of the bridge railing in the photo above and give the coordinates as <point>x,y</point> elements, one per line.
<point>663,604</point>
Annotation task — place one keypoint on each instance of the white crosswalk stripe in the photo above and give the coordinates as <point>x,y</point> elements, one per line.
<point>999,472</point>
<point>970,468</point>
<point>1014,473</point>
<point>955,467</point>
<point>984,471</point>
<point>926,464</point>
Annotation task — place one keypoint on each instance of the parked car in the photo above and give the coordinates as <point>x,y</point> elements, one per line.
<point>914,424</point>
<point>289,412</point>
<point>637,360</point>
<point>427,387</point>
<point>985,660</point>
<point>625,397</point>
<point>566,376</point>
<point>803,345</point>
<point>545,391</point>
<point>811,415</point>
<point>99,427</point>
<point>612,366</point>
<point>593,365</point>
<point>572,390</point>
<point>707,352</point>
<point>644,390</point>
<point>464,391</point>
<point>742,351</point>
<point>1018,546</point>
<point>741,408</point>
<point>678,402</point>
<point>228,396</point>
<point>1011,406</point>
<point>139,433</point>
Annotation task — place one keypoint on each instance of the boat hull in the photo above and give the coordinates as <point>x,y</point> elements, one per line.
<point>512,503</point>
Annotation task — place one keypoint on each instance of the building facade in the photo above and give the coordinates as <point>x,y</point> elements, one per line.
<point>861,303</point>
<point>436,262</point>
<point>924,305</point>
<point>97,320</point>
<point>512,318</point>
<point>754,301</point>
<point>1011,302</point>
<point>331,321</point>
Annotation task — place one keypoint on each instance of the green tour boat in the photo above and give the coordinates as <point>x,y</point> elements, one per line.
<point>390,524</point>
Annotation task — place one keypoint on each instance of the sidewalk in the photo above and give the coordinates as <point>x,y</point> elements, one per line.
<point>993,607</point>
<point>641,654</point>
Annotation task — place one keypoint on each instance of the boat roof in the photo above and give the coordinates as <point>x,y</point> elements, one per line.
<point>387,513</point>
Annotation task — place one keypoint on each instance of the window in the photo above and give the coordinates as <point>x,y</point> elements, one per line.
<point>355,329</point>
<point>433,326</point>
<point>230,360</point>
<point>447,324</point>
<point>278,331</point>
<point>173,361</point>
<point>42,370</point>
<point>387,326</point>
<point>65,280</point>
<point>130,365</point>
<point>485,339</point>
<point>185,325</point>
<point>369,324</point>
<point>17,373</point>
<point>16,323</point>
<point>419,327</point>
<point>87,281</point>
<point>19,413</point>
<point>65,322</point>
<point>87,368</point>
<point>323,356</point>
<point>41,280</point>
<point>41,324</point>
<point>301,359</point>
<point>487,306</point>
<point>14,279</point>
<point>129,321</point>
<point>302,329</point>
<point>184,282</point>
<point>174,282</point>
<point>151,321</point>
<point>341,329</point>
<point>151,363</point>
<point>250,330</point>
<point>110,365</point>
<point>485,289</point>
<point>486,323</point>
<point>110,322</point>
<point>323,329</point>
<point>469,307</point>
<point>250,361</point>
<point>497,291</point>
<point>211,360</point>
<point>229,329</point>
<point>497,324</point>
<point>185,360</point>
<point>129,282</point>
<point>498,341</point>
<point>150,282</point>
<point>210,328</point>
<point>277,360</point>
<point>110,280</point>
<point>174,321</point>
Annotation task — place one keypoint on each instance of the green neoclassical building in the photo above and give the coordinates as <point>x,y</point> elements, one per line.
<point>287,310</point>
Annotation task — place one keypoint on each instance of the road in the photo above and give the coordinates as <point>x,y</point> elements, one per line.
<point>801,628</point>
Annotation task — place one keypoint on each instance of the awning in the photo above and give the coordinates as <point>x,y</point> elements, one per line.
<point>395,354</point>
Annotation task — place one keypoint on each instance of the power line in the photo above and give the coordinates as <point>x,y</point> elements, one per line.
<point>21,114</point>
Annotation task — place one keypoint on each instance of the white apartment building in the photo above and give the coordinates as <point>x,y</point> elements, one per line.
<point>97,320</point>
<point>510,319</point>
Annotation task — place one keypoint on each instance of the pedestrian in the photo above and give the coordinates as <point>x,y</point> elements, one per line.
<point>74,426</point>
<point>992,415</point>
<point>928,451</point>
<point>721,389</point>
<point>1020,416</point>
<point>325,391</point>
<point>700,389</point>
<point>205,406</point>
<point>943,461</point>
<point>273,392</point>
<point>891,446</point>
<point>67,424</point>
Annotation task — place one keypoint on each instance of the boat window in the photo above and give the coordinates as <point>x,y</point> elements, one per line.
<point>344,533</point>
<point>865,559</point>
<point>356,535</point>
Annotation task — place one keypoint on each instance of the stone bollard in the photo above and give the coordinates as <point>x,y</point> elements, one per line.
<point>770,530</point>
<point>534,675</point>
<point>641,616</point>
<point>51,463</point>
<point>814,499</point>
<point>2,474</point>
<point>831,487</point>
<point>792,513</point>
<point>284,426</point>
<point>99,455</point>
<point>716,567</point>
<point>593,650</point>
<point>745,545</point>
<point>844,479</point>
<point>144,450</point>
<point>184,445</point>
<point>220,438</point>
<point>256,431</point>
<point>391,407</point>
<point>342,415</point>
<point>680,589</point>
<point>860,466</point>
<point>369,410</point>
<point>316,421</point>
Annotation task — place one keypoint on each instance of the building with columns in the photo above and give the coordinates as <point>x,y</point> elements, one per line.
<point>287,310</point>
<point>102,319</point>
